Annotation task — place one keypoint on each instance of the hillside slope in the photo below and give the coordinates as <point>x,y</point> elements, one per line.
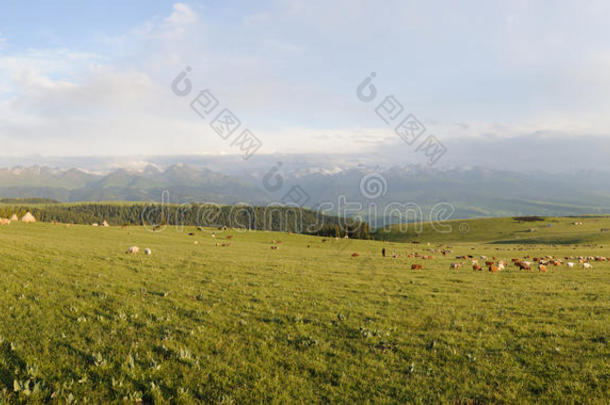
<point>551,230</point>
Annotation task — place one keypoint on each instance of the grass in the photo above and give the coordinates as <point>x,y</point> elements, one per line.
<point>552,230</point>
<point>83,321</point>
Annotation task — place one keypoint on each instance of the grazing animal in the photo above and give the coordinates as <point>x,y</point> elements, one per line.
<point>147,251</point>
<point>587,266</point>
<point>275,248</point>
<point>133,250</point>
<point>455,266</point>
<point>570,264</point>
<point>489,263</point>
<point>476,267</point>
<point>542,268</point>
<point>416,267</point>
<point>355,254</point>
<point>229,236</point>
<point>493,268</point>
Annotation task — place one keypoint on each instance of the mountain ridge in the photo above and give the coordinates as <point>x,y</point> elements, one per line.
<point>472,191</point>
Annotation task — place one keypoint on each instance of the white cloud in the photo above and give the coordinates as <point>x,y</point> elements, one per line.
<point>182,15</point>
<point>289,72</point>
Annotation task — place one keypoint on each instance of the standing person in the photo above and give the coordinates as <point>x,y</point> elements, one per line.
<point>383,252</point>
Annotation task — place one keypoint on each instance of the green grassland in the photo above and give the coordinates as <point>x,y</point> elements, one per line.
<point>551,230</point>
<point>195,322</point>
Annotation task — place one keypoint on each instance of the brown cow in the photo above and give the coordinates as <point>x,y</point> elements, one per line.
<point>523,266</point>
<point>542,268</point>
<point>493,268</point>
<point>416,267</point>
<point>476,267</point>
<point>355,254</point>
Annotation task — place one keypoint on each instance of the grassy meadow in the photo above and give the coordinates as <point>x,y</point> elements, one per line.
<point>195,322</point>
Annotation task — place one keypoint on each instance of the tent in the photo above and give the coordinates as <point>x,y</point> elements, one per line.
<point>28,217</point>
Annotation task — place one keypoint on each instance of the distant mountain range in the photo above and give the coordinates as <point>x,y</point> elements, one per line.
<point>472,192</point>
<point>184,184</point>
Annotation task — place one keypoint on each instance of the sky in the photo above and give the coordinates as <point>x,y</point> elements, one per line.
<point>95,78</point>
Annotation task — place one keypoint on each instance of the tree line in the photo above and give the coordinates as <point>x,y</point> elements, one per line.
<point>272,218</point>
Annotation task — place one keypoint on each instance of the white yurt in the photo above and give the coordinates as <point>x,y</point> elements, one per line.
<point>28,217</point>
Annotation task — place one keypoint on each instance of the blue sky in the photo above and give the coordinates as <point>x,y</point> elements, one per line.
<point>93,78</point>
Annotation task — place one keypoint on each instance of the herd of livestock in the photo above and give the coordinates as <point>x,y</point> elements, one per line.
<point>542,263</point>
<point>494,264</point>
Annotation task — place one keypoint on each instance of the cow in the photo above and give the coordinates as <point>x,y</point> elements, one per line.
<point>416,267</point>
<point>587,266</point>
<point>570,264</point>
<point>355,254</point>
<point>275,248</point>
<point>476,267</point>
<point>493,268</point>
<point>523,265</point>
<point>455,266</point>
<point>133,250</point>
<point>542,268</point>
